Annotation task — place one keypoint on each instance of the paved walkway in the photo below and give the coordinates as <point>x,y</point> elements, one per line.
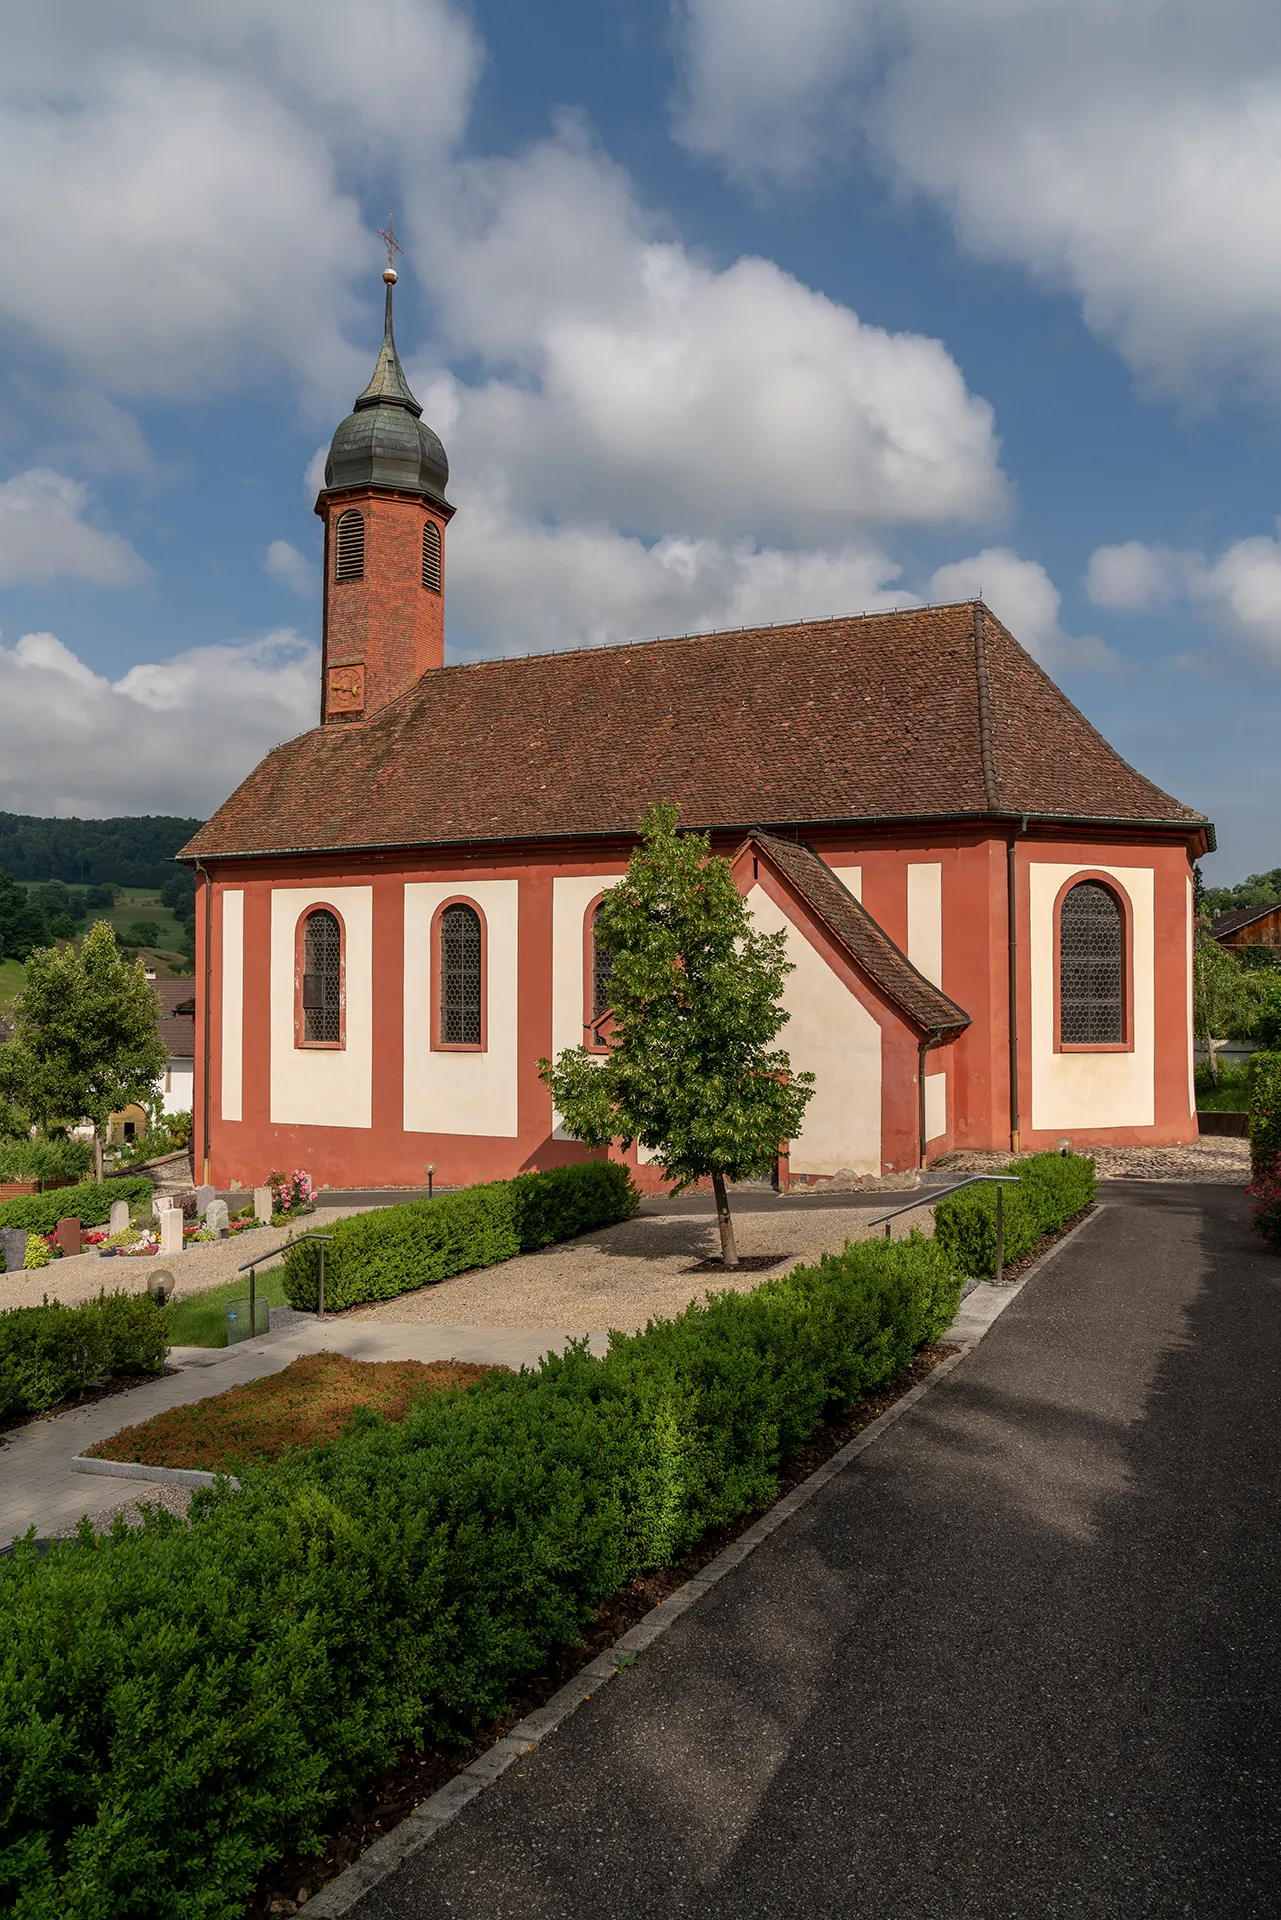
<point>38,1487</point>
<point>1024,1658</point>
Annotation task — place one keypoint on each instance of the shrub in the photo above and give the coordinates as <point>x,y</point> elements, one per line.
<point>42,1160</point>
<point>392,1250</point>
<point>39,1253</point>
<point>1265,1115</point>
<point>90,1204</point>
<point>51,1353</point>
<point>1052,1188</point>
<point>180,1705</point>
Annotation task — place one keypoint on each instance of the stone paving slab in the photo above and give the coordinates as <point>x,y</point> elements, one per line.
<point>39,1488</point>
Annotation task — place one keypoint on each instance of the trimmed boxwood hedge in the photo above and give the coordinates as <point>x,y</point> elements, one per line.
<point>90,1204</point>
<point>51,1353</point>
<point>180,1705</point>
<point>391,1250</point>
<point>1052,1188</point>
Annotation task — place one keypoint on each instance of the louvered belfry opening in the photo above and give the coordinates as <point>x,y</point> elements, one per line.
<point>460,976</point>
<point>1091,968</point>
<point>349,546</point>
<point>431,556</point>
<point>602,967</point>
<point>322,977</point>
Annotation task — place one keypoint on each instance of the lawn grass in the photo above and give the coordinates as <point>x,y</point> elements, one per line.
<point>13,977</point>
<point>309,1403</point>
<point>201,1319</point>
<point>1232,1095</point>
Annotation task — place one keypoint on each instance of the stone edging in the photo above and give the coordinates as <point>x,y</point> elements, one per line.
<point>135,1470</point>
<point>421,1826</point>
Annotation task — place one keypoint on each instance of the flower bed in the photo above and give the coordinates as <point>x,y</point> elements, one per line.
<point>185,1703</point>
<point>310,1403</point>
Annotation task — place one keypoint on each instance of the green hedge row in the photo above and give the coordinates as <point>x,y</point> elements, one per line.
<point>1265,1115</point>
<point>51,1353</point>
<point>179,1705</point>
<point>1052,1188</point>
<point>90,1204</point>
<point>391,1250</point>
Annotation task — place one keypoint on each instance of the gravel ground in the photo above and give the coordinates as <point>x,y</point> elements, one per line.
<point>207,1264</point>
<point>1214,1159</point>
<point>625,1275</point>
<point>172,1499</point>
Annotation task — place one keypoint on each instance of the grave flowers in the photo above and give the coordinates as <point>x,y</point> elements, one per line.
<point>291,1194</point>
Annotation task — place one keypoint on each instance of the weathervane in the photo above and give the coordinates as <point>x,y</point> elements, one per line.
<point>388,233</point>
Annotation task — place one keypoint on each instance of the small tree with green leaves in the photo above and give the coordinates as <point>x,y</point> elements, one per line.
<point>695,993</point>
<point>85,1038</point>
<point>1224,995</point>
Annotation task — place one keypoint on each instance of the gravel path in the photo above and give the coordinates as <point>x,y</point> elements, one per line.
<point>207,1264</point>
<point>625,1275</point>
<point>1214,1159</point>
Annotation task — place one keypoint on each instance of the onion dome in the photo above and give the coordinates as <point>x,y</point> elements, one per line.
<point>384,441</point>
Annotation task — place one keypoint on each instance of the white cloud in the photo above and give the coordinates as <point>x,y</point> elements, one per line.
<point>515,580</point>
<point>629,381</point>
<point>291,568</point>
<point>175,222</point>
<point>43,534</point>
<point>1129,153</point>
<point>168,737</point>
<point>1239,592</point>
<point>1022,595</point>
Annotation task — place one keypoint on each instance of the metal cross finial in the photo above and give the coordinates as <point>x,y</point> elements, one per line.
<point>388,233</point>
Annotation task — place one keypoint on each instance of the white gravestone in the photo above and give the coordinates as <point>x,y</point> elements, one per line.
<point>171,1232</point>
<point>119,1216</point>
<point>263,1205</point>
<point>204,1196</point>
<point>216,1218</point>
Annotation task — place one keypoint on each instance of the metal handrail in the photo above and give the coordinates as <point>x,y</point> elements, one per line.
<point>998,1180</point>
<point>324,1240</point>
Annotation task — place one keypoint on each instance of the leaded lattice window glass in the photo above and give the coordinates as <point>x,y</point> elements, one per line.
<point>602,967</point>
<point>322,977</point>
<point>460,976</point>
<point>1091,968</point>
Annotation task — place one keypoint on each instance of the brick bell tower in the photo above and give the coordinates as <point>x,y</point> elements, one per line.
<point>385,513</point>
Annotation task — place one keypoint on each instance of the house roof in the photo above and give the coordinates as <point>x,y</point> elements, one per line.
<point>928,713</point>
<point>926,1005</point>
<point>177,1023</point>
<point>1241,917</point>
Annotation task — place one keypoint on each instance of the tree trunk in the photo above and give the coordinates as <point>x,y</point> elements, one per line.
<point>97,1153</point>
<point>1213,1058</point>
<point>729,1252</point>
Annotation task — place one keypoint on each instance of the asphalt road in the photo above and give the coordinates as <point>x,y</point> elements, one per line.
<point>1022,1659</point>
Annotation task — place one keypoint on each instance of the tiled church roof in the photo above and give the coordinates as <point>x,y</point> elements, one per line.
<point>930,712</point>
<point>863,938</point>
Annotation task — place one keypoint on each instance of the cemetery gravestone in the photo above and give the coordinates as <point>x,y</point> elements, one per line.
<point>13,1240</point>
<point>205,1196</point>
<point>171,1231</point>
<point>119,1216</point>
<point>67,1235</point>
<point>216,1218</point>
<point>263,1205</point>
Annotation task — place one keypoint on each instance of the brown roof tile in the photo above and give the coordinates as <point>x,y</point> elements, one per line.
<point>863,938</point>
<point>925,713</point>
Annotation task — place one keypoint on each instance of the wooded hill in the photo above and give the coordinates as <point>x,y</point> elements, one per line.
<point>132,851</point>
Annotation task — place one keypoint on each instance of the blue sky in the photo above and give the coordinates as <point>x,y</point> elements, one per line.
<point>724,313</point>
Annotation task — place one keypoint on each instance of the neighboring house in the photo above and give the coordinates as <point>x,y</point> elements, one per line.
<point>1249,927</point>
<point>178,1032</point>
<point>989,911</point>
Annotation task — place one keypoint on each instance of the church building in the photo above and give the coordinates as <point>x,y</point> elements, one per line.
<point>989,911</point>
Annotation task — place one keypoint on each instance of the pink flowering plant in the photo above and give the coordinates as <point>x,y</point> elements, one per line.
<point>1264,1199</point>
<point>1264,1191</point>
<point>291,1193</point>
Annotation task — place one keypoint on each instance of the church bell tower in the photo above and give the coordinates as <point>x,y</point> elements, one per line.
<point>385,513</point>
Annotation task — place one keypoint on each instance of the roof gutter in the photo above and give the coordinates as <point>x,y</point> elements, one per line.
<point>1180,827</point>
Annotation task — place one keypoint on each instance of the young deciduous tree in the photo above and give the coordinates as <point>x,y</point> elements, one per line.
<point>85,1037</point>
<point>695,994</point>
<point>1224,995</point>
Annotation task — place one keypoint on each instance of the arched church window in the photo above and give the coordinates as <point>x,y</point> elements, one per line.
<point>431,556</point>
<point>602,966</point>
<point>349,546</point>
<point>461,976</point>
<point>1091,967</point>
<point>322,978</point>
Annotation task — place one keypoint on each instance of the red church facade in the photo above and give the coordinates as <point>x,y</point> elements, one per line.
<point>988,911</point>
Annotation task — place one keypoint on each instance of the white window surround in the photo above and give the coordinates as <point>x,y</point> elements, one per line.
<point>233,1003</point>
<point>322,1086</point>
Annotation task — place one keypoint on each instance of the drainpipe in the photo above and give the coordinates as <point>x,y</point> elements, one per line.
<point>1011,909</point>
<point>924,1046</point>
<point>204,1129</point>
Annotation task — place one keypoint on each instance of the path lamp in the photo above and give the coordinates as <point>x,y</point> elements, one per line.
<point>430,1171</point>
